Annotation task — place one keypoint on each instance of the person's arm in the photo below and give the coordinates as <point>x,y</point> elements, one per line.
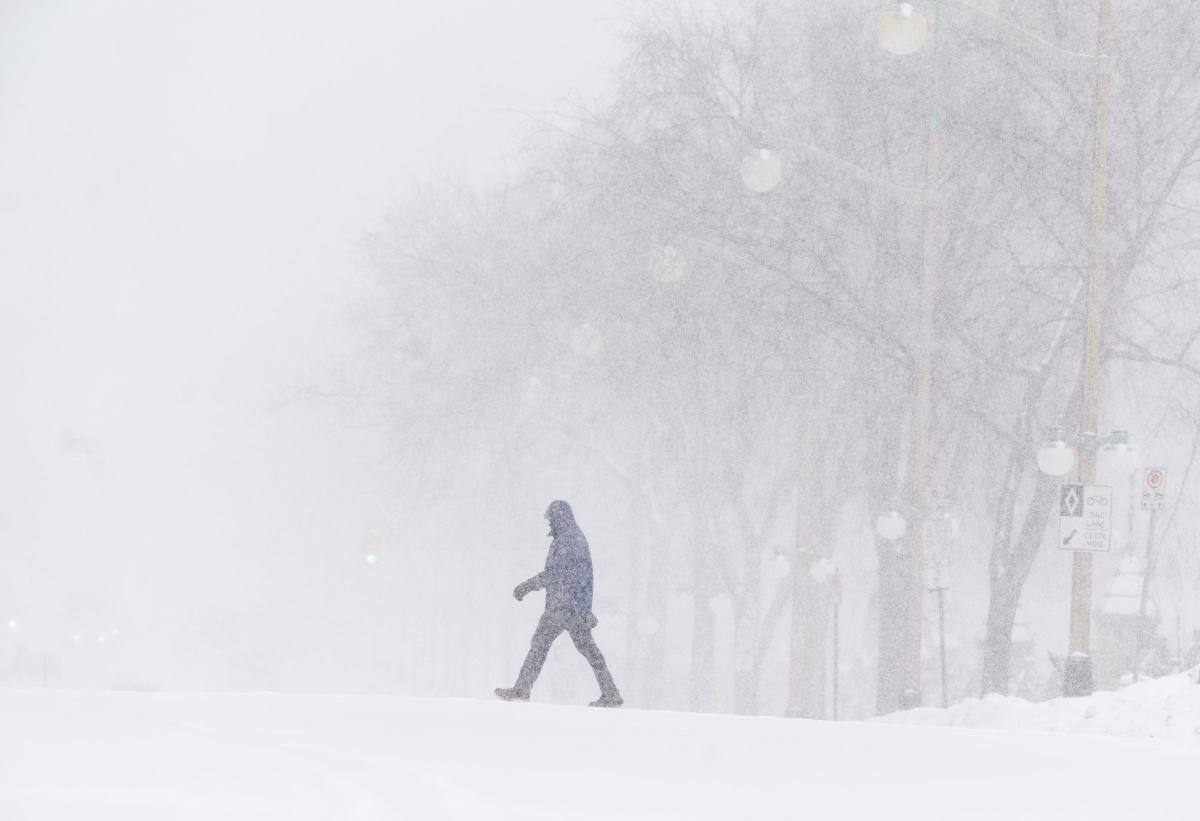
<point>556,566</point>
<point>526,587</point>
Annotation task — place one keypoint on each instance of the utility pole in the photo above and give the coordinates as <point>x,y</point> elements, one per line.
<point>1077,672</point>
<point>802,629</point>
<point>911,697</point>
<point>836,584</point>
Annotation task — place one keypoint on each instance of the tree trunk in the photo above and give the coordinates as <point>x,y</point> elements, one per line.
<point>814,673</point>
<point>633,606</point>
<point>703,649</point>
<point>997,643</point>
<point>1008,578</point>
<point>745,677</point>
<point>654,644</point>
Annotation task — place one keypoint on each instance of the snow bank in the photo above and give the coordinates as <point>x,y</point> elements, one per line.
<point>1167,707</point>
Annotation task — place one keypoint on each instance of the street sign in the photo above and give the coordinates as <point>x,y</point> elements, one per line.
<point>1154,488</point>
<point>1084,517</point>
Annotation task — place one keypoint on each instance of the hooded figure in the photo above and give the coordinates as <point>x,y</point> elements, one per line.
<point>567,581</point>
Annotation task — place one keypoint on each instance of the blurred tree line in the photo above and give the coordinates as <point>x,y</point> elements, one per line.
<point>740,367</point>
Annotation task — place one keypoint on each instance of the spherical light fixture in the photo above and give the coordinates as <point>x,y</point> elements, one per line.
<point>891,525</point>
<point>901,29</point>
<point>762,171</point>
<point>1056,457</point>
<point>1119,455</point>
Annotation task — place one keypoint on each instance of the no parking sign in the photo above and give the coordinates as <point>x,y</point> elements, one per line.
<point>1154,488</point>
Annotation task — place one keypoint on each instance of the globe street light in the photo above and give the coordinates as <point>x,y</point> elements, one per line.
<point>891,525</point>
<point>1056,457</point>
<point>762,171</point>
<point>1119,455</point>
<point>901,29</point>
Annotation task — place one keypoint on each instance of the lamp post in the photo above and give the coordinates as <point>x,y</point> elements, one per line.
<point>893,525</point>
<point>1077,675</point>
<point>835,588</point>
<point>1056,458</point>
<point>902,30</point>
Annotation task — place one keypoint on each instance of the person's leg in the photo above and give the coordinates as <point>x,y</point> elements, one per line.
<point>581,635</point>
<point>547,631</point>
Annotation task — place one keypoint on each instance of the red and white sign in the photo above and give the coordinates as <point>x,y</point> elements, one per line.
<point>1154,488</point>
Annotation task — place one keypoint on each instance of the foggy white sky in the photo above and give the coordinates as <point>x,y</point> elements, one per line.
<point>181,186</point>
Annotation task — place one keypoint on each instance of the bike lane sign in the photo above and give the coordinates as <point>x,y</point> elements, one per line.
<point>1085,517</point>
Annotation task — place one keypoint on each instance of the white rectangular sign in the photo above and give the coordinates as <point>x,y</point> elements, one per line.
<point>1154,488</point>
<point>1084,517</point>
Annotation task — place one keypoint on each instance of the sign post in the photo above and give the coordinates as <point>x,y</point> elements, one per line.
<point>1085,517</point>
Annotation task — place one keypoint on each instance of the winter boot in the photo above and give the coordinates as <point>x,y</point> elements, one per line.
<point>512,694</point>
<point>612,699</point>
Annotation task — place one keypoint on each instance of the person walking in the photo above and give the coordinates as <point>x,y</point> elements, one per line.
<point>567,581</point>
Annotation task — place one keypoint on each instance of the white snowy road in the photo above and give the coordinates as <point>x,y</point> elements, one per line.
<point>69,755</point>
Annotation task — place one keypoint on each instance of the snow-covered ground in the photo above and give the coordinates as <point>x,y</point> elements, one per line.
<point>1167,707</point>
<point>161,756</point>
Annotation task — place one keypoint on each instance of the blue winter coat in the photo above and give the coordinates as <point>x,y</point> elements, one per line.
<point>568,574</point>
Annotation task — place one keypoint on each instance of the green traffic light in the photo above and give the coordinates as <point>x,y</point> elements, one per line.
<point>371,558</point>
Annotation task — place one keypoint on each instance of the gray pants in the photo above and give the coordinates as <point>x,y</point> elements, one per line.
<point>579,625</point>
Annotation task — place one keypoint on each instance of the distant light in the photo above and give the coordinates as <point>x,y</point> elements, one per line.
<point>533,391</point>
<point>100,639</point>
<point>113,632</point>
<point>667,264</point>
<point>12,624</point>
<point>371,558</point>
<point>586,340</point>
<point>78,638</point>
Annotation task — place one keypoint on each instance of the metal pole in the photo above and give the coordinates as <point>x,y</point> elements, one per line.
<point>837,604</point>
<point>1077,672</point>
<point>941,596</point>
<point>1147,573</point>
<point>836,639</point>
<point>1178,637</point>
<point>911,697</point>
<point>799,700</point>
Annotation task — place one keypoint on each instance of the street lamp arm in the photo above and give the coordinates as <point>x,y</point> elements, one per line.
<point>914,196</point>
<point>1085,63</point>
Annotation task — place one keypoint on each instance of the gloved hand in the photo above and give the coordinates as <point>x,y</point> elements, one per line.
<point>524,588</point>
